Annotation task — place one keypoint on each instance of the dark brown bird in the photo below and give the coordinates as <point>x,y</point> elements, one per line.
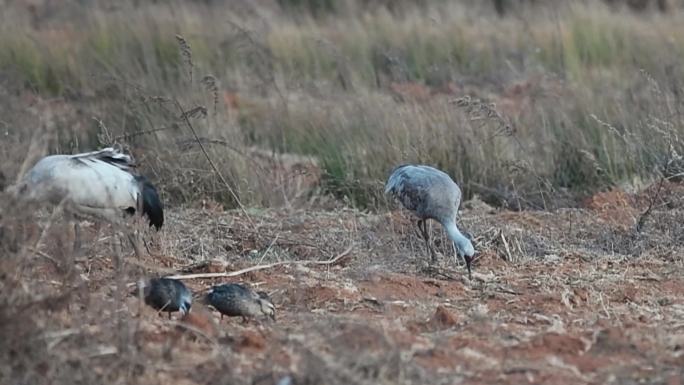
<point>165,294</point>
<point>235,300</point>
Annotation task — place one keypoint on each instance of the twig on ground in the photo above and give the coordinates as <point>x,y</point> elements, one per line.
<point>331,261</point>
<point>44,255</point>
<point>268,249</point>
<point>509,256</point>
<point>642,218</point>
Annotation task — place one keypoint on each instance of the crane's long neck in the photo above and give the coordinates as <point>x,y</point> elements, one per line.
<point>453,232</point>
<point>463,244</point>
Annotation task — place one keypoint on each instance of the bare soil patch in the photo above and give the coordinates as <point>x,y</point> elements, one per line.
<point>551,301</point>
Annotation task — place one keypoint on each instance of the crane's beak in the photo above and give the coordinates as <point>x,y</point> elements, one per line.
<point>468,261</point>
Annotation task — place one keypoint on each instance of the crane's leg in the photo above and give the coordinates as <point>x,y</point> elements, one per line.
<point>77,239</point>
<point>419,224</point>
<point>135,242</point>
<point>130,231</point>
<point>77,250</point>
<point>422,225</point>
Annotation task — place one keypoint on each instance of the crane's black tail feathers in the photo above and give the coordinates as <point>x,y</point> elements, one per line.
<point>151,204</point>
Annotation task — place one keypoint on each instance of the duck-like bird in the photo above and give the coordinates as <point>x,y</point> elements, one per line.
<point>103,184</point>
<point>235,300</point>
<point>431,194</point>
<point>165,294</point>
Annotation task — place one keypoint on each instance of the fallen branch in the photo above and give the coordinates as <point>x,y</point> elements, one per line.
<point>331,261</point>
<point>44,255</point>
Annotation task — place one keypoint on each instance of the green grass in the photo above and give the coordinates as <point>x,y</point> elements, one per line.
<point>288,71</point>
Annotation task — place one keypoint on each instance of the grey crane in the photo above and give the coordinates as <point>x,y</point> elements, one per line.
<point>166,294</point>
<point>431,194</point>
<point>102,184</point>
<point>236,300</point>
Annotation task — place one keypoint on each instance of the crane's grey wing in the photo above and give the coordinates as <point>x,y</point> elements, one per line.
<point>108,155</point>
<point>409,187</point>
<point>99,184</point>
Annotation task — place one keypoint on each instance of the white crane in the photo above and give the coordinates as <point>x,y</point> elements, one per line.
<point>102,184</point>
<point>431,194</point>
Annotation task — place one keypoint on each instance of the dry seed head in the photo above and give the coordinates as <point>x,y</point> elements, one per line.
<point>104,137</point>
<point>592,159</point>
<point>197,112</point>
<point>209,82</point>
<point>186,54</point>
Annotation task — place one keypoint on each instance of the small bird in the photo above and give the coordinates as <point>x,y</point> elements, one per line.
<point>235,300</point>
<point>165,294</point>
<point>102,184</point>
<point>431,194</point>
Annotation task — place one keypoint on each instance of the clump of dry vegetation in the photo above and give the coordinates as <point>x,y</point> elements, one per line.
<point>584,96</point>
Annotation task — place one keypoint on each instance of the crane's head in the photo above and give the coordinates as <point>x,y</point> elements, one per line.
<point>465,249</point>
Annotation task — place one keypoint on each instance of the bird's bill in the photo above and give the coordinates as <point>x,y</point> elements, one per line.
<point>273,316</point>
<point>469,261</point>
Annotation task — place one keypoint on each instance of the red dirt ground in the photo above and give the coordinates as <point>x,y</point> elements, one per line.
<point>569,297</point>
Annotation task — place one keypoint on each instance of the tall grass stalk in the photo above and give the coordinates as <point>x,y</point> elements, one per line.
<point>361,90</point>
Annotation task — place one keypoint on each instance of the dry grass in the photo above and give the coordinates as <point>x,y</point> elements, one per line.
<point>270,133</point>
<point>590,96</point>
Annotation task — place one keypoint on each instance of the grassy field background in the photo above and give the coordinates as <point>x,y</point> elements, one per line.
<point>532,110</point>
<point>270,126</point>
